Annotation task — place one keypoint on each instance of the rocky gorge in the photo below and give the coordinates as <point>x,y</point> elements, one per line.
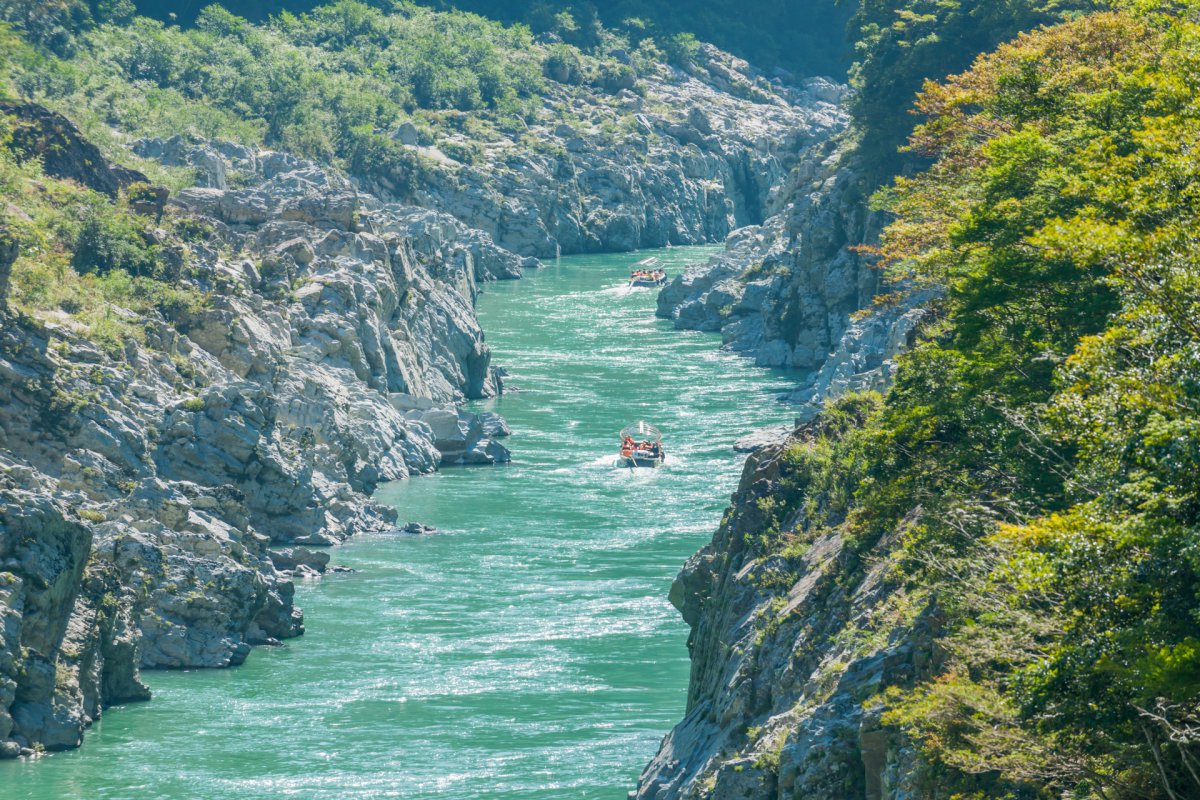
<point>691,156</point>
<point>795,292</point>
<point>151,489</point>
<point>162,487</point>
<point>791,647</point>
<point>791,652</point>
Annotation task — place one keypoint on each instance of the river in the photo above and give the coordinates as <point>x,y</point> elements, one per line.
<point>525,651</point>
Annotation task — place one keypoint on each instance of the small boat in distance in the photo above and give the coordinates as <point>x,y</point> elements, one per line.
<point>641,446</point>
<point>647,273</point>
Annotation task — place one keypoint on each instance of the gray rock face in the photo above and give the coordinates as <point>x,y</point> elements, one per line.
<point>790,647</point>
<point>788,650</point>
<point>265,418</point>
<point>67,644</point>
<point>785,292</point>
<point>9,248</point>
<point>201,465</point>
<point>694,158</point>
<point>460,436</point>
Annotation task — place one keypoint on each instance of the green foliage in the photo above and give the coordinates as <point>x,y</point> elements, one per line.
<point>615,77</point>
<point>49,23</point>
<point>806,37</point>
<point>324,85</point>
<point>110,238</point>
<point>1049,423</point>
<point>563,64</point>
<point>86,256</point>
<point>1034,465</point>
<point>899,44</point>
<point>681,49</point>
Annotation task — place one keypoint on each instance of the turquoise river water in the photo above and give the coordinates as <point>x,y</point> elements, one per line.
<point>528,649</point>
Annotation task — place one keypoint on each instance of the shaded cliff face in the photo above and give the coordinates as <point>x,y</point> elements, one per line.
<point>795,628</point>
<point>791,640</point>
<point>785,292</point>
<point>695,155</point>
<point>150,486</point>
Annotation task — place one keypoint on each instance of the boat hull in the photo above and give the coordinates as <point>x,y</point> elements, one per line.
<point>643,461</point>
<point>648,284</point>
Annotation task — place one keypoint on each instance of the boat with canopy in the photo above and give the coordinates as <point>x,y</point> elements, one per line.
<point>647,273</point>
<point>641,446</point>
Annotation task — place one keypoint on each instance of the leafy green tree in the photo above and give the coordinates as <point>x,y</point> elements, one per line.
<point>1058,216</point>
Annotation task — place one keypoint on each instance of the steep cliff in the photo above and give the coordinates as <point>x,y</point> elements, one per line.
<point>200,386</point>
<point>980,583</point>
<point>788,292</point>
<point>689,157</point>
<point>796,629</point>
<point>315,345</point>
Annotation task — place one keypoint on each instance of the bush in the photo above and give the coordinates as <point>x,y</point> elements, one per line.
<point>681,49</point>
<point>616,77</point>
<point>563,64</point>
<point>110,240</point>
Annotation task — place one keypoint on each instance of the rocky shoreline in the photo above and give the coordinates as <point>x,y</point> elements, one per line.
<point>787,651</point>
<point>788,647</point>
<point>158,497</point>
<point>788,292</point>
<point>155,498</point>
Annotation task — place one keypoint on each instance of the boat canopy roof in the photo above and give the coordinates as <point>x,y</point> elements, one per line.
<point>642,431</point>
<point>652,261</point>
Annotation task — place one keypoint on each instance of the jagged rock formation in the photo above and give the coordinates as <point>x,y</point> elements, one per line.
<point>788,648</point>
<point>789,645</point>
<point>785,292</point>
<point>157,496</point>
<point>693,157</point>
<point>143,486</point>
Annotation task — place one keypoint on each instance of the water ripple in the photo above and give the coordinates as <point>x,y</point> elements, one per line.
<point>527,650</point>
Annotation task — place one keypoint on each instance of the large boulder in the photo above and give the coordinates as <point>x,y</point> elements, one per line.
<point>43,135</point>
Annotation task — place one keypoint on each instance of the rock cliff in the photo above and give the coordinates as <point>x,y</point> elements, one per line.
<point>786,292</point>
<point>149,488</point>
<point>687,159</point>
<point>795,629</point>
<point>789,645</point>
<point>160,490</point>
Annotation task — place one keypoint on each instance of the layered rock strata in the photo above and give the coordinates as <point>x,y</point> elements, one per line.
<point>786,292</point>
<point>686,159</point>
<point>156,496</point>
<point>790,649</point>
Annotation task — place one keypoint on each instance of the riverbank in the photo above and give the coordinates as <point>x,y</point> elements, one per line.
<point>527,650</point>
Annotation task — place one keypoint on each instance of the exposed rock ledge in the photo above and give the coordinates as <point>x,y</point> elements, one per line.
<point>697,154</point>
<point>788,649</point>
<point>785,292</point>
<point>141,486</point>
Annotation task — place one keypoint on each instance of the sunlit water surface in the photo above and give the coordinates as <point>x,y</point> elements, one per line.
<point>527,650</point>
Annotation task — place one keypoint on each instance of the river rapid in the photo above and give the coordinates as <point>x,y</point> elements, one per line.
<point>527,650</point>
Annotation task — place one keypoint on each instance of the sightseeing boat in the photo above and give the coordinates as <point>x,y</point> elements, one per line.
<point>641,446</point>
<point>647,273</point>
